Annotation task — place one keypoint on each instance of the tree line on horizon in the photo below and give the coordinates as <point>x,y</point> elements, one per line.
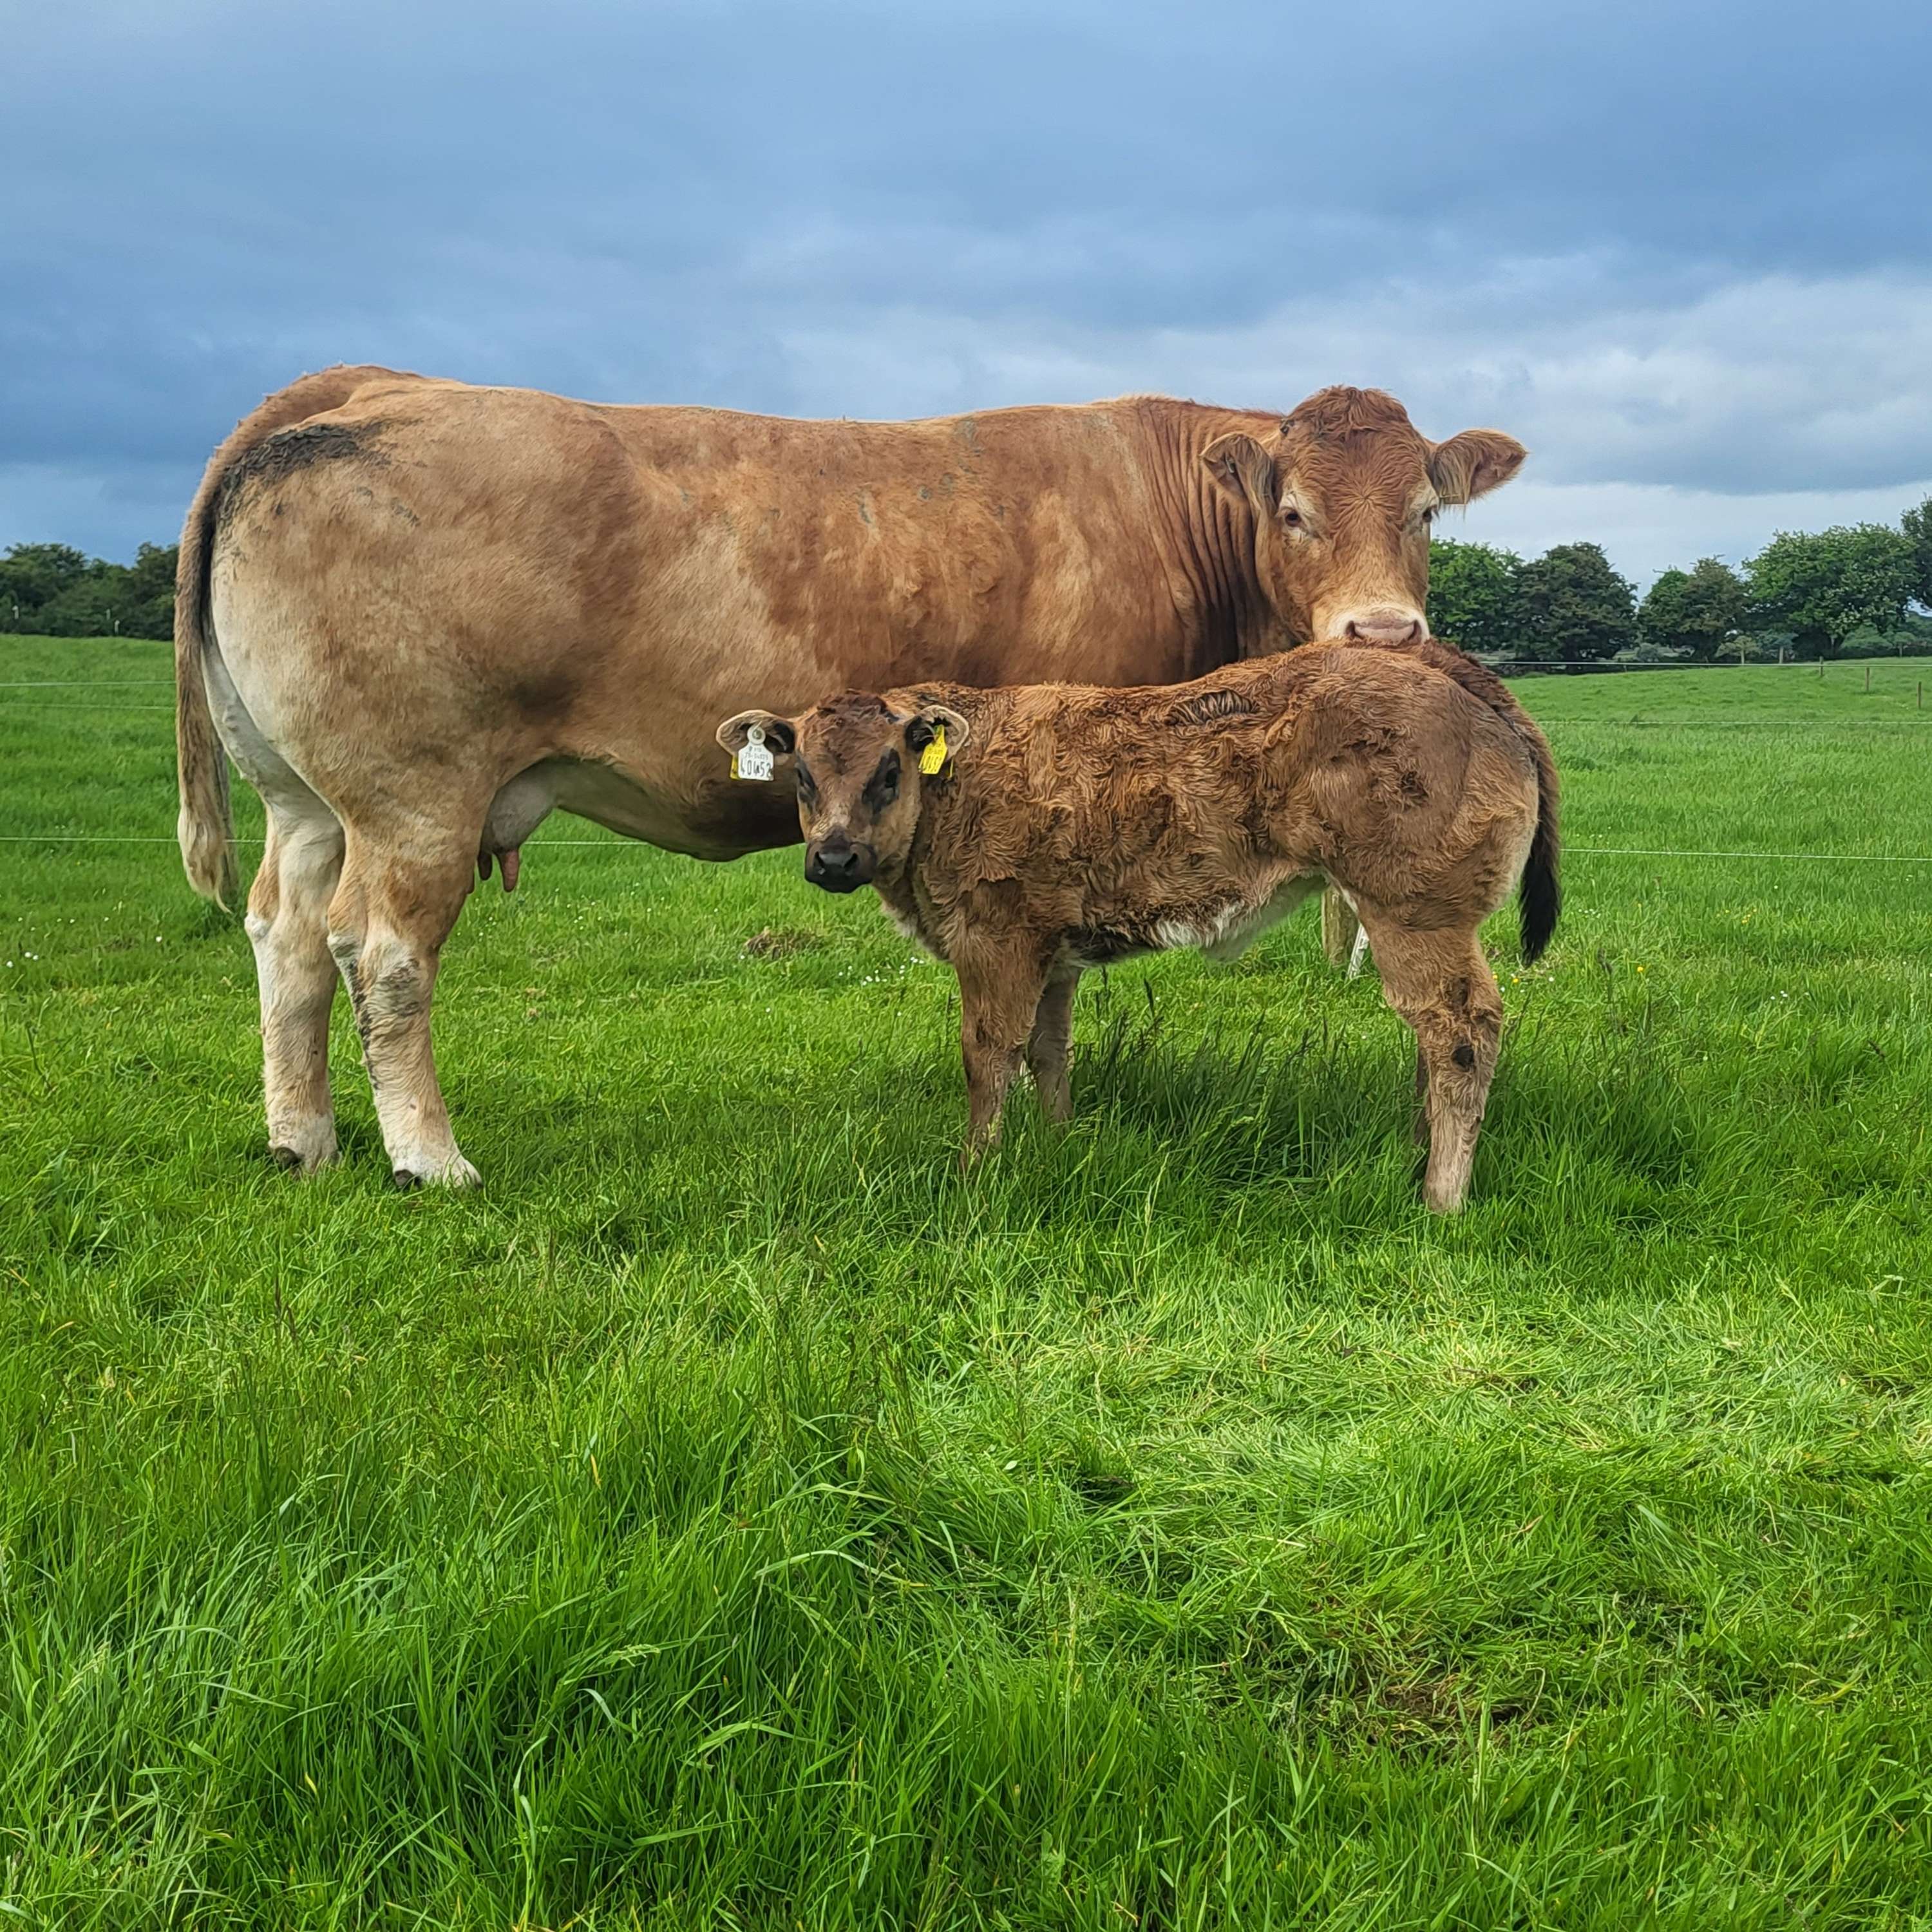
<point>1805,594</point>
<point>53,590</point>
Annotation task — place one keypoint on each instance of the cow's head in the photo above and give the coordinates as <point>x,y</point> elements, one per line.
<point>1342,496</point>
<point>857,762</point>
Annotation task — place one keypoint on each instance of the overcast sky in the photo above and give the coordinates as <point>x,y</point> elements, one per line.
<point>1683,250</point>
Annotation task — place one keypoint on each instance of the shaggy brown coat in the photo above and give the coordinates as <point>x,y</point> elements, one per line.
<point>1072,827</point>
<point>420,616</point>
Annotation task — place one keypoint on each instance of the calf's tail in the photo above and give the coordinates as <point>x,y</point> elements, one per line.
<point>1540,895</point>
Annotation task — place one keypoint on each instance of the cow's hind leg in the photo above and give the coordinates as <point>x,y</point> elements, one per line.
<point>1442,985</point>
<point>288,926</point>
<point>1050,1046</point>
<point>398,899</point>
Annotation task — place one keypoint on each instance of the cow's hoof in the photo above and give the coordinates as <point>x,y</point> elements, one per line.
<point>304,1154</point>
<point>454,1173</point>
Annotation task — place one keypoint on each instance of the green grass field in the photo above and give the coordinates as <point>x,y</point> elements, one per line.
<point>732,1518</point>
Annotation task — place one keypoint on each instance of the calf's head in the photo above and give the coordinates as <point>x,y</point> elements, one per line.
<point>856,760</point>
<point>1342,496</point>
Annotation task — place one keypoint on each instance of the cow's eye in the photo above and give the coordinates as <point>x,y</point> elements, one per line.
<point>1290,516</point>
<point>806,789</point>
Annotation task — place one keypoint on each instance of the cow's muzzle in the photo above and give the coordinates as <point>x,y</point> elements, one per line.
<point>1386,624</point>
<point>840,866</point>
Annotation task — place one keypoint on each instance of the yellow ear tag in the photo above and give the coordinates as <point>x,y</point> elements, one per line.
<point>934,756</point>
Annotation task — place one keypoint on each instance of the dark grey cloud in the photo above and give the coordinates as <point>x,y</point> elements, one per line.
<point>1676,247</point>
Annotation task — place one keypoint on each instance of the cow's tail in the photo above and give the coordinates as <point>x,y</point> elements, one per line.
<point>206,827</point>
<point>1539,892</point>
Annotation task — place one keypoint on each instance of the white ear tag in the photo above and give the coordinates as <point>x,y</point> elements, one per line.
<point>754,761</point>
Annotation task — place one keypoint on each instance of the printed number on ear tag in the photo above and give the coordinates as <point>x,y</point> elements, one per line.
<point>754,761</point>
<point>934,756</point>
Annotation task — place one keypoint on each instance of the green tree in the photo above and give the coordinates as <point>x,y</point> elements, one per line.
<point>1472,599</point>
<point>150,592</point>
<point>1916,527</point>
<point>1696,610</point>
<point>54,590</point>
<point>92,607</point>
<point>1574,606</point>
<point>32,575</point>
<point>1822,587</point>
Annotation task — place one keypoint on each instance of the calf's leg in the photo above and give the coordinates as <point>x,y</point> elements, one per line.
<point>1049,1047</point>
<point>999,997</point>
<point>288,925</point>
<point>398,898</point>
<point>1442,985</point>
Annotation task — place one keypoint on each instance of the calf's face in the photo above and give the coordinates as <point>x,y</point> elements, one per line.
<point>856,762</point>
<point>1342,496</point>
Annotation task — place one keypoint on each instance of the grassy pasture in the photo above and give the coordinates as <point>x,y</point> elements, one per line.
<point>731,1518</point>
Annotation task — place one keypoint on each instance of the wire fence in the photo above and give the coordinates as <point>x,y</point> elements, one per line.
<point>616,843</point>
<point>1598,666</point>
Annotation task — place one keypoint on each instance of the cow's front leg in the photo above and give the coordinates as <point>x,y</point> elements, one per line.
<point>999,994</point>
<point>1340,929</point>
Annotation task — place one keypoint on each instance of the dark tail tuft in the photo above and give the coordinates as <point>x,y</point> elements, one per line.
<point>1540,897</point>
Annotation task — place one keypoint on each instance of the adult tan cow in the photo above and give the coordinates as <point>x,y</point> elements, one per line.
<point>419,615</point>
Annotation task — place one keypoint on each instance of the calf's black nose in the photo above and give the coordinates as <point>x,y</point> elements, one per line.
<point>838,869</point>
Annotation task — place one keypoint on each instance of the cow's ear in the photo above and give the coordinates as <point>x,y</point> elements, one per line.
<point>1472,464</point>
<point>780,736</point>
<point>1244,469</point>
<point>928,721</point>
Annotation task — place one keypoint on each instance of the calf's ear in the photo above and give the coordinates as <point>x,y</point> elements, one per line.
<point>1244,469</point>
<point>1472,464</point>
<point>734,734</point>
<point>929,720</point>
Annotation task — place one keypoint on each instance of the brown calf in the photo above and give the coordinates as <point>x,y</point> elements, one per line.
<point>1079,827</point>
